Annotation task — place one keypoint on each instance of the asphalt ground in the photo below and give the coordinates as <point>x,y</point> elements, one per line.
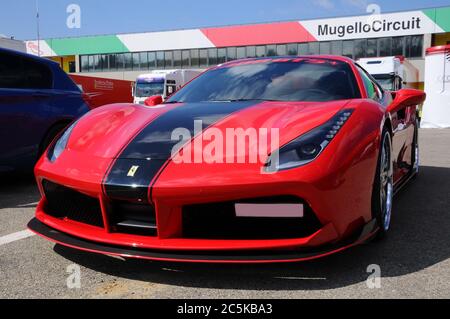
<point>414,259</point>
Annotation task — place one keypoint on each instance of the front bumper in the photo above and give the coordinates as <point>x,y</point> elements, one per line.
<point>202,256</point>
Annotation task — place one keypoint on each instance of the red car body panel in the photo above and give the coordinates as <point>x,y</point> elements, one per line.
<point>337,186</point>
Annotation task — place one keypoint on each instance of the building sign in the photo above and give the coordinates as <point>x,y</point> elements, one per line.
<point>372,26</point>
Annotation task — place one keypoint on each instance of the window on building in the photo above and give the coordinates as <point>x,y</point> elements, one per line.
<point>151,60</point>
<point>360,48</point>
<point>231,54</point>
<point>186,59</point>
<point>212,57</point>
<point>347,48</point>
<point>160,60</point>
<point>136,61</point>
<point>112,61</point>
<point>416,48</point>
<point>336,47</point>
<point>221,56</point>
<point>97,63</point>
<point>120,61</point>
<point>303,49</point>
<point>194,58</point>
<point>177,59</point>
<point>168,59</point>
<point>143,57</point>
<point>372,48</point>
<point>261,51</point>
<point>271,50</point>
<point>241,53</point>
<point>314,48</point>
<point>128,61</point>
<point>385,47</point>
<point>398,45</point>
<point>292,49</point>
<point>84,61</point>
<point>103,62</point>
<point>251,52</point>
<point>281,50</point>
<point>203,58</point>
<point>325,48</point>
<point>91,63</point>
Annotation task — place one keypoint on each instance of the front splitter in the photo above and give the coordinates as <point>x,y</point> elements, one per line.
<point>246,257</point>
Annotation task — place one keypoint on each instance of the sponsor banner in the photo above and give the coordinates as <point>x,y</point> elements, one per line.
<point>170,40</point>
<point>40,48</point>
<point>372,26</point>
<point>283,32</point>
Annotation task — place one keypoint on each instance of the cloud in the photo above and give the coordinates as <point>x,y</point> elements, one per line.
<point>324,4</point>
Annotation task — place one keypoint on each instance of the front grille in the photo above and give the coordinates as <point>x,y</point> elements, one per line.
<point>219,221</point>
<point>133,218</point>
<point>64,202</point>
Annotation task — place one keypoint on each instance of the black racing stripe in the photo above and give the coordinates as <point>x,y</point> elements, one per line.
<point>152,148</point>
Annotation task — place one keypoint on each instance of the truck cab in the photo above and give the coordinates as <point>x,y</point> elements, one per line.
<point>388,71</point>
<point>163,83</point>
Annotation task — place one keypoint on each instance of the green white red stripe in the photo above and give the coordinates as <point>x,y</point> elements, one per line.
<point>427,21</point>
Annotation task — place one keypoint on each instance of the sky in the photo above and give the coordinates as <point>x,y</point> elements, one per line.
<point>18,17</point>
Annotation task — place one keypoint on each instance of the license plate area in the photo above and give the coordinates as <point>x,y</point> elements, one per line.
<point>249,210</point>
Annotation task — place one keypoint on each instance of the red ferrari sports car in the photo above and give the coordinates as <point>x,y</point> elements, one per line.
<point>161,182</point>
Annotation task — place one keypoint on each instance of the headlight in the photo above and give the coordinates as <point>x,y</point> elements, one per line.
<point>56,150</point>
<point>307,147</point>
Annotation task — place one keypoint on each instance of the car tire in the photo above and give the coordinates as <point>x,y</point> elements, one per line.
<point>415,155</point>
<point>49,137</point>
<point>383,189</point>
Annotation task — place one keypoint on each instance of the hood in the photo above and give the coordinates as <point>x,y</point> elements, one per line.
<point>129,131</point>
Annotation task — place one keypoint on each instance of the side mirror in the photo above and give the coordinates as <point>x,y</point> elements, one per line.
<point>154,100</point>
<point>406,97</point>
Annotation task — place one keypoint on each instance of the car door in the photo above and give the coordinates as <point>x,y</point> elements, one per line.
<point>25,95</point>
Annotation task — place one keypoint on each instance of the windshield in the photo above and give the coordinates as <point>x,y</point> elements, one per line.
<point>149,89</point>
<point>284,79</point>
<point>386,83</point>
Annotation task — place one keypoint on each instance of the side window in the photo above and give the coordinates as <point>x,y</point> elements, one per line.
<point>11,72</point>
<point>373,90</point>
<point>17,72</point>
<point>171,87</point>
<point>38,76</point>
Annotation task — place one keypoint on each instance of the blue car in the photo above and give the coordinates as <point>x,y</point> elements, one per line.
<point>37,101</point>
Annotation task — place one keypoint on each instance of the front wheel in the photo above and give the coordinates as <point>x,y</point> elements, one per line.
<point>415,157</point>
<point>383,190</point>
